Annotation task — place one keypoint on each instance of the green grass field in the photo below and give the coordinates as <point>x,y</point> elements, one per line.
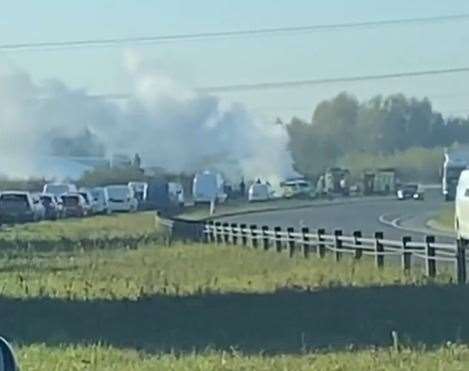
<point>42,358</point>
<point>199,307</point>
<point>180,271</point>
<point>104,231</point>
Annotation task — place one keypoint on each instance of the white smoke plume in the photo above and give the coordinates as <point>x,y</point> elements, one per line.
<point>167,124</point>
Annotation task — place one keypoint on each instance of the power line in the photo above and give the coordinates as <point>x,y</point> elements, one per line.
<point>302,83</point>
<point>299,83</point>
<point>54,45</point>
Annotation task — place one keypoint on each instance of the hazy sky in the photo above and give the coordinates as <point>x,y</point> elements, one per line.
<point>310,55</point>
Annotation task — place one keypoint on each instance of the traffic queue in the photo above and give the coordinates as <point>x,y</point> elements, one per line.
<point>65,200</point>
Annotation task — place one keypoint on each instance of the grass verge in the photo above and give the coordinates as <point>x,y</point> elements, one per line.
<point>445,218</point>
<point>202,307</point>
<point>115,229</point>
<point>182,271</point>
<point>42,358</point>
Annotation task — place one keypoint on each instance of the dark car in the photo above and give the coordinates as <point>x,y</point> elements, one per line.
<point>74,205</point>
<point>19,207</point>
<point>409,192</point>
<point>52,205</point>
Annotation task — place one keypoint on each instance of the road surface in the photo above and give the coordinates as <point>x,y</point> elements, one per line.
<point>366,216</point>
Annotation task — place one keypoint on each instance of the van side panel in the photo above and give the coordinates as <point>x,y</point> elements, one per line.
<point>462,205</point>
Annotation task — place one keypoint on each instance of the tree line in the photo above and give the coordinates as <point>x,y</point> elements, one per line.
<point>380,127</point>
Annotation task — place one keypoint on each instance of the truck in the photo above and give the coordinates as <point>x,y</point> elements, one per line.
<point>454,163</point>
<point>163,196</point>
<point>380,181</point>
<point>207,187</point>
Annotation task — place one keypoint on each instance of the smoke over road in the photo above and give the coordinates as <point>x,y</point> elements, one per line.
<point>169,125</point>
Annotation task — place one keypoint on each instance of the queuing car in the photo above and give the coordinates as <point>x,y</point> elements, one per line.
<point>20,207</point>
<point>298,187</point>
<point>260,192</point>
<point>409,192</point>
<point>101,200</point>
<point>74,205</point>
<point>89,201</point>
<point>53,206</point>
<point>122,198</point>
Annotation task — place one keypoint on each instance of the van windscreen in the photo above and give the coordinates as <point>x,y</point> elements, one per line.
<point>70,200</point>
<point>14,201</point>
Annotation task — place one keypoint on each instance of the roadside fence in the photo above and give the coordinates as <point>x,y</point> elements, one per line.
<point>318,243</point>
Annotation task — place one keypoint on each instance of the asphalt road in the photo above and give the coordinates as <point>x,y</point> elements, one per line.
<point>364,216</point>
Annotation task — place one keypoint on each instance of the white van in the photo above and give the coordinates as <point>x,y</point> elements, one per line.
<point>121,198</point>
<point>461,217</point>
<point>208,186</point>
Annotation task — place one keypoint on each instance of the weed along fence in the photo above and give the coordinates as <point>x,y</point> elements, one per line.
<point>319,243</point>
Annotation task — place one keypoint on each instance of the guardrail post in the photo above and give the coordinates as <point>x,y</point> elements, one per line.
<point>265,237</point>
<point>244,237</point>
<point>321,250</point>
<point>461,261</point>
<point>234,233</point>
<point>379,250</point>
<point>358,251</point>
<point>218,236</point>
<point>338,245</point>
<point>306,247</point>
<point>210,232</point>
<point>278,239</point>
<point>291,242</point>
<point>430,262</point>
<point>406,254</point>
<point>206,236</point>
<point>226,233</point>
<point>253,230</point>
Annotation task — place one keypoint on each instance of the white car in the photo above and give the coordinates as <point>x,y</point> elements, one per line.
<point>296,188</point>
<point>259,192</point>
<point>121,198</point>
<point>461,217</point>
